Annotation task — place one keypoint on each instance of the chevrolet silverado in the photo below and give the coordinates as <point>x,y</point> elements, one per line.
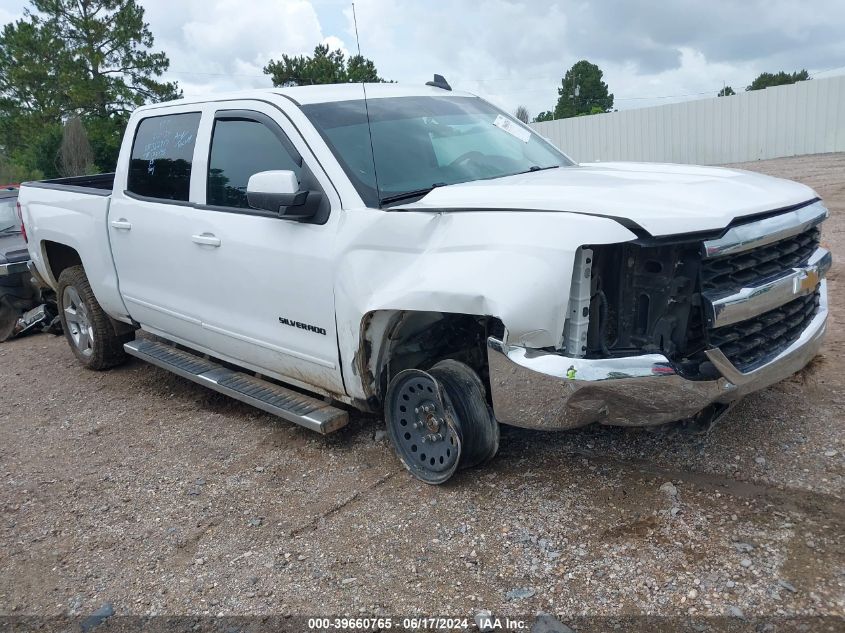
<point>416,251</point>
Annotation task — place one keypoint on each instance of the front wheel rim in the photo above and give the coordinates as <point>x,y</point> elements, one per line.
<point>78,322</point>
<point>421,428</point>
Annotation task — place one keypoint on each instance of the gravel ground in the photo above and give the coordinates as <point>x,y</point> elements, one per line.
<point>136,488</point>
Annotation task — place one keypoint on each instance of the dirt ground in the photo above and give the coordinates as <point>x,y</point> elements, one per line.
<point>137,488</point>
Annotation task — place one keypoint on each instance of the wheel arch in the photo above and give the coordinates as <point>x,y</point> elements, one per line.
<point>393,340</point>
<point>57,258</point>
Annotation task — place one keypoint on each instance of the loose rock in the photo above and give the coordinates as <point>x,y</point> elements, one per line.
<point>669,489</point>
<point>545,623</point>
<point>519,594</point>
<point>484,621</point>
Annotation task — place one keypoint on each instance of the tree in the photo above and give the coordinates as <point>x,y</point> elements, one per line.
<point>727,91</point>
<point>544,116</point>
<point>582,91</point>
<point>85,58</point>
<point>32,95</point>
<point>767,80</point>
<point>359,69</point>
<point>12,173</point>
<point>593,110</point>
<point>75,155</point>
<point>323,67</point>
<point>521,113</point>
<point>106,47</point>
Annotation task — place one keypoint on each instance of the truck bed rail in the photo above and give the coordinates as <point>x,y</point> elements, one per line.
<point>96,184</point>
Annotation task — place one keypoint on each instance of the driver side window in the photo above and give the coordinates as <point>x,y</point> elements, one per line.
<point>241,147</point>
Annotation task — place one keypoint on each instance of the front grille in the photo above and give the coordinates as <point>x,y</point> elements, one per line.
<point>730,273</point>
<point>755,341</point>
<point>655,297</point>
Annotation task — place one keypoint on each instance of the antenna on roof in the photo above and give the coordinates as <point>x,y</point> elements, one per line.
<point>355,21</point>
<point>439,82</point>
<point>367,110</point>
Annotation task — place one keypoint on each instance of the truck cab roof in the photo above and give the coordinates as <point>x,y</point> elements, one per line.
<point>324,93</point>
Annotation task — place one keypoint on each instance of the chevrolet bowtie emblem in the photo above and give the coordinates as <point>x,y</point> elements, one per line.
<point>806,282</point>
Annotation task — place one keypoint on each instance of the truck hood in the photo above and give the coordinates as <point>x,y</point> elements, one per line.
<point>663,199</point>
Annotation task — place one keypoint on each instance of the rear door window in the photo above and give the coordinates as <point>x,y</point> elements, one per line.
<point>241,147</point>
<point>162,153</point>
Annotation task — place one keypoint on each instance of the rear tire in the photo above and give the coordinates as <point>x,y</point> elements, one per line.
<point>87,328</point>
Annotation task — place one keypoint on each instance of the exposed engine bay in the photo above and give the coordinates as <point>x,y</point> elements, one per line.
<point>649,296</point>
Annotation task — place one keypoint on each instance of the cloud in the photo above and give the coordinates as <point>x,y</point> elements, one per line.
<point>217,45</point>
<point>8,15</point>
<point>228,30</point>
<point>510,51</point>
<point>335,44</point>
<point>516,52</point>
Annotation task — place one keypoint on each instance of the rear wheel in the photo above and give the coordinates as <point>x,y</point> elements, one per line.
<point>439,421</point>
<point>87,328</point>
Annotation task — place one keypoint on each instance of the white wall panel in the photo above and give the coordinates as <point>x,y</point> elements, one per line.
<point>803,118</point>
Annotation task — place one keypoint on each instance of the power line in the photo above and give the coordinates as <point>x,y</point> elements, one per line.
<point>819,72</point>
<point>688,94</point>
<point>191,72</point>
<point>615,98</point>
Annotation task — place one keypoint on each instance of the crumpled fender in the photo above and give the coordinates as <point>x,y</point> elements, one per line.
<point>516,266</point>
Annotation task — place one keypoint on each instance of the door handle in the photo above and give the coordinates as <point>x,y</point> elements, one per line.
<point>122,224</point>
<point>206,239</point>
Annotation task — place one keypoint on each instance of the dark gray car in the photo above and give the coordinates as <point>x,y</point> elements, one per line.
<point>18,292</point>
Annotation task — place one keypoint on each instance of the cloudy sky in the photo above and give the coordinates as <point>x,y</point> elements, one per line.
<point>512,52</point>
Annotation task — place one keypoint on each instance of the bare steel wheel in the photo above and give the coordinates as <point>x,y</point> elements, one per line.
<point>78,324</point>
<point>439,421</point>
<point>421,426</point>
<point>88,329</point>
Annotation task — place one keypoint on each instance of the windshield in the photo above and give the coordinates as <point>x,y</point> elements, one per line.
<point>424,142</point>
<point>9,216</point>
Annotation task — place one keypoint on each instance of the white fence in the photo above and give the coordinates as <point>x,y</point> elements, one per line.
<point>803,118</point>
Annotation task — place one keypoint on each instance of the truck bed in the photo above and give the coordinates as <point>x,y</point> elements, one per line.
<point>73,212</point>
<point>96,184</point>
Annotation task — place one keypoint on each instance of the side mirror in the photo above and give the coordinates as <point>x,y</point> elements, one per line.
<point>275,191</point>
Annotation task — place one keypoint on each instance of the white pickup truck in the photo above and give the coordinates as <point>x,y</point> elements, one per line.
<point>418,251</point>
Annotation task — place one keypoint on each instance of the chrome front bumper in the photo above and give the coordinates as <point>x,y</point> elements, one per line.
<point>543,390</point>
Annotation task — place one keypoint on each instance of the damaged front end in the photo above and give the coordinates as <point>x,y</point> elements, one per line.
<point>395,340</point>
<point>662,330</point>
